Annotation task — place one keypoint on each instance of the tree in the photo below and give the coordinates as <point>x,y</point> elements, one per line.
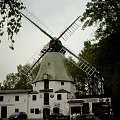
<point>94,84</point>
<point>24,82</point>
<point>89,52</point>
<point>10,17</point>
<point>105,14</point>
<point>11,80</point>
<point>77,75</point>
<point>17,80</point>
<point>84,84</point>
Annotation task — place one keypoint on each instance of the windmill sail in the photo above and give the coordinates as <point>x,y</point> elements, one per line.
<point>82,63</point>
<point>55,42</point>
<point>34,20</point>
<point>70,29</point>
<point>33,62</point>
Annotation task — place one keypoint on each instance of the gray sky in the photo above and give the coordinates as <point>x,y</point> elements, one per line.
<point>55,14</point>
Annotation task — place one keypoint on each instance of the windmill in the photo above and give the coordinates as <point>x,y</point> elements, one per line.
<point>55,45</point>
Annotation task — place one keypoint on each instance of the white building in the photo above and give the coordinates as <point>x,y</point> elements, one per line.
<point>51,89</point>
<point>53,92</point>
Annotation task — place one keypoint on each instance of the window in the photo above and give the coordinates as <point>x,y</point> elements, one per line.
<point>45,76</point>
<point>16,98</point>
<point>1,98</point>
<point>34,97</point>
<point>46,84</point>
<point>48,64</point>
<point>62,83</point>
<point>32,110</point>
<point>56,110</point>
<point>16,110</point>
<point>46,98</point>
<point>59,97</point>
<point>36,111</point>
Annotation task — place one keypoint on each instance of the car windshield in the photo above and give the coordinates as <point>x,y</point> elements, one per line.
<point>89,118</point>
<point>15,114</point>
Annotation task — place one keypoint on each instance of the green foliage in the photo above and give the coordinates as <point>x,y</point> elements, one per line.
<point>35,71</point>
<point>89,52</point>
<point>77,75</point>
<point>85,85</point>
<point>20,80</point>
<point>105,14</point>
<point>11,80</point>
<point>17,80</point>
<point>10,17</point>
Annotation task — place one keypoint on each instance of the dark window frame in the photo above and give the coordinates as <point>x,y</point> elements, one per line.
<point>17,98</point>
<point>32,110</point>
<point>59,97</point>
<point>46,98</point>
<point>37,111</point>
<point>16,110</point>
<point>34,97</point>
<point>1,98</point>
<point>62,83</point>
<point>46,84</point>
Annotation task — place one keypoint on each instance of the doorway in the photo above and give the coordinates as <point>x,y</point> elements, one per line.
<point>76,109</point>
<point>56,110</point>
<point>3,111</point>
<point>46,113</point>
<point>85,108</point>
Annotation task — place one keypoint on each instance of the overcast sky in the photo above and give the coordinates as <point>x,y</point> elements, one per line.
<point>55,14</point>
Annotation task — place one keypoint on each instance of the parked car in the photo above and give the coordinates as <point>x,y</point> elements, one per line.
<point>86,117</point>
<point>18,116</point>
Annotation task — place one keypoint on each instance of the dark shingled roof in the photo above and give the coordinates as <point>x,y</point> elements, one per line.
<point>62,91</point>
<point>33,92</point>
<point>14,91</point>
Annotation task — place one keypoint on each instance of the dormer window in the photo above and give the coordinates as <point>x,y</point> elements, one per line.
<point>62,83</point>
<point>45,76</point>
<point>48,64</point>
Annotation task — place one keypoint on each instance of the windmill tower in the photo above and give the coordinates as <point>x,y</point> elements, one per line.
<point>53,81</point>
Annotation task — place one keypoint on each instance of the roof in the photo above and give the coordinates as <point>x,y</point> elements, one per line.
<point>33,92</point>
<point>75,101</point>
<point>14,91</point>
<point>62,91</point>
<point>53,66</point>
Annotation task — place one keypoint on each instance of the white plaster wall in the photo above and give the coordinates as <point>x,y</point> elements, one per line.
<point>39,85</point>
<point>36,104</point>
<point>62,104</point>
<point>22,103</point>
<point>94,100</point>
<point>9,101</point>
<point>56,85</point>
